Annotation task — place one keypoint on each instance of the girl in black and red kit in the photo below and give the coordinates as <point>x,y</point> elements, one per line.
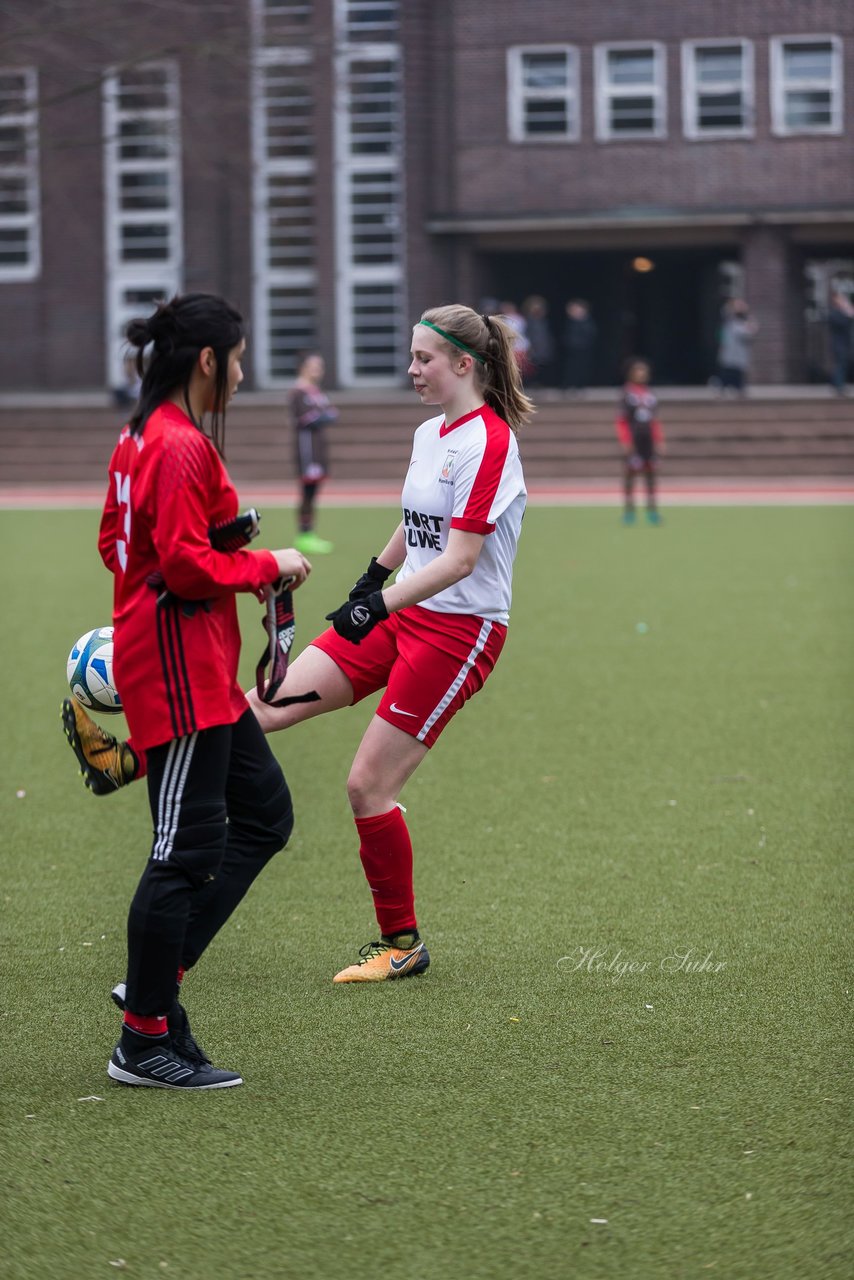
<point>219,801</point>
<point>641,439</point>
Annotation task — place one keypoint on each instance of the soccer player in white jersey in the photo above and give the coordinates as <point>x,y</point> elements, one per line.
<point>431,637</point>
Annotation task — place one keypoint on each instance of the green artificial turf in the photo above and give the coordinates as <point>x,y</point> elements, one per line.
<point>630,870</point>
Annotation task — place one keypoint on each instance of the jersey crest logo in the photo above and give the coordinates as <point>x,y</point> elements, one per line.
<point>448,465</point>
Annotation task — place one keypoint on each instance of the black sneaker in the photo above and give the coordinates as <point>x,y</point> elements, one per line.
<point>159,1066</point>
<point>183,1040</point>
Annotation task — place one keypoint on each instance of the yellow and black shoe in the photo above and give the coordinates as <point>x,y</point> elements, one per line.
<point>401,956</point>
<point>105,763</point>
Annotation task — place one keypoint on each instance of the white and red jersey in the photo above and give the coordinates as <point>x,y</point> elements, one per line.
<point>465,475</point>
<point>175,668</point>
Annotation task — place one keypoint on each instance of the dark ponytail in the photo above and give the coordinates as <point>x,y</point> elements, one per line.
<point>177,332</point>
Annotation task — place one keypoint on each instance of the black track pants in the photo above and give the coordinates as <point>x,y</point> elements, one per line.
<point>221,808</point>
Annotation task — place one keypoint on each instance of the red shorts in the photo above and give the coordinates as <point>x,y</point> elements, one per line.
<point>429,664</point>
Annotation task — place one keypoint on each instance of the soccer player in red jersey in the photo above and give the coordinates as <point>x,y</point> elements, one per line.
<point>431,638</point>
<point>219,801</point>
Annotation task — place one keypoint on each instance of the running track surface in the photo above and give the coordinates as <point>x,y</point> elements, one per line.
<point>595,493</point>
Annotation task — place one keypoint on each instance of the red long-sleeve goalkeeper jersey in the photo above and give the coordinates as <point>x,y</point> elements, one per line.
<point>175,667</point>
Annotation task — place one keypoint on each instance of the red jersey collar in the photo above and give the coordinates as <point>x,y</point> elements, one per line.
<point>446,427</point>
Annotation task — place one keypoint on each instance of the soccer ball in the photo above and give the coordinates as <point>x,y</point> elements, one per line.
<point>90,671</point>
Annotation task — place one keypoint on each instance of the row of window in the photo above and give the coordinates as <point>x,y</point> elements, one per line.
<point>142,177</point>
<point>280,22</point>
<point>718,95</point>
<point>19,175</point>
<point>367,113</point>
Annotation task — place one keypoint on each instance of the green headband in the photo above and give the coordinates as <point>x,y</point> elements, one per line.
<point>455,342</point>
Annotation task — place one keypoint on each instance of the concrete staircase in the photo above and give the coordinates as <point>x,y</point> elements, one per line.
<point>69,441</point>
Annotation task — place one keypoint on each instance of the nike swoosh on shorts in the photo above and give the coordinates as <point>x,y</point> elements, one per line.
<point>399,712</point>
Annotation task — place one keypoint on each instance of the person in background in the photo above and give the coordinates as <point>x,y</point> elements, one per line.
<point>738,329</point>
<point>220,806</point>
<point>311,413</point>
<point>641,439</point>
<point>578,341</point>
<point>127,392</point>
<point>542,344</point>
<point>840,324</point>
<point>514,319</point>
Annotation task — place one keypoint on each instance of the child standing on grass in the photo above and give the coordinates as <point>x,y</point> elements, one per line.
<point>311,413</point>
<point>641,438</point>
<point>220,805</point>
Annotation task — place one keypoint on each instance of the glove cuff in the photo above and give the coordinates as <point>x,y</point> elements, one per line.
<point>377,605</point>
<point>378,571</point>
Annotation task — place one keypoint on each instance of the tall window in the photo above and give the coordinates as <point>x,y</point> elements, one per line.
<point>142,172</point>
<point>371,20</point>
<point>19,175</point>
<point>543,93</point>
<point>631,93</point>
<point>285,210</point>
<point>717,87</point>
<point>370,302</point>
<point>806,84</point>
<point>281,23</point>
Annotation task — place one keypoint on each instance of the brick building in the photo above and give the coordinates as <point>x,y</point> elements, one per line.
<point>333,167</point>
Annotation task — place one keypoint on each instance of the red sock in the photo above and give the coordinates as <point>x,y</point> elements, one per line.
<point>386,853</point>
<point>141,758</point>
<point>181,972</point>
<point>146,1026</point>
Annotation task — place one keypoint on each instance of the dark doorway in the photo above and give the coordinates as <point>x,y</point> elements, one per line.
<point>663,304</point>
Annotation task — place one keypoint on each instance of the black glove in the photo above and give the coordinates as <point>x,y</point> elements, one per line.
<point>356,618</point>
<point>228,535</point>
<point>374,577</point>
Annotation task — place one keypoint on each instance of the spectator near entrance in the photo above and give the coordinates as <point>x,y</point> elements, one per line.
<point>738,329</point>
<point>542,344</point>
<point>521,343</point>
<point>840,324</point>
<point>578,341</point>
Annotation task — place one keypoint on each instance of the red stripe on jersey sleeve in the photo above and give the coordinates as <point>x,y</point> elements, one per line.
<point>471,526</point>
<point>488,476</point>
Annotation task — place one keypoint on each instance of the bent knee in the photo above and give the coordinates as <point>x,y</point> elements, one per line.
<point>265,826</point>
<point>283,825</point>
<point>275,821</point>
<point>364,795</point>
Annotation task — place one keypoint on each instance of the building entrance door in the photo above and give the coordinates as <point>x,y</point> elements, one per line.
<point>662,304</point>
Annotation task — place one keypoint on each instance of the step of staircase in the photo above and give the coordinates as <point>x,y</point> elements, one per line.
<point>565,440</point>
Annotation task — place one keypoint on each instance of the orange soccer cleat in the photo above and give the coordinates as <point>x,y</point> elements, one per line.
<point>402,956</point>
